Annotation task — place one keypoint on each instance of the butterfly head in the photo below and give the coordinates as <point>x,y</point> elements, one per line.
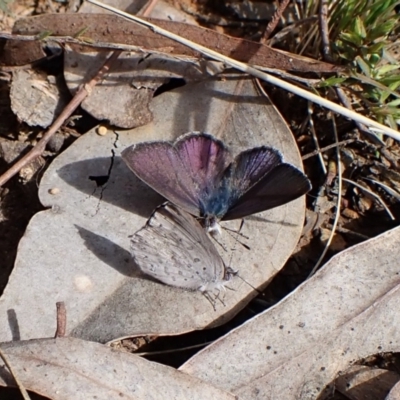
<point>212,225</point>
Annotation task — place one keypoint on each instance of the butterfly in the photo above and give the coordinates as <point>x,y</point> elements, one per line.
<point>198,173</point>
<point>174,249</point>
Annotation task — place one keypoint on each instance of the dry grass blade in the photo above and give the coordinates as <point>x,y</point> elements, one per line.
<point>256,72</point>
<point>373,195</point>
<point>339,197</point>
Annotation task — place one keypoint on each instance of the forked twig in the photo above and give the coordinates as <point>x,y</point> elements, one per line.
<point>326,148</point>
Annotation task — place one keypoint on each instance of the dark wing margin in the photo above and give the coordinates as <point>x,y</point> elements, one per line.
<point>250,167</point>
<point>282,184</point>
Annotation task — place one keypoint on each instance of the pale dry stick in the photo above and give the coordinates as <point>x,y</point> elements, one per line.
<point>274,21</point>
<point>373,195</point>
<point>296,9</point>
<point>319,150</point>
<point>21,387</point>
<point>39,148</point>
<point>254,72</point>
<point>339,197</point>
<point>288,75</point>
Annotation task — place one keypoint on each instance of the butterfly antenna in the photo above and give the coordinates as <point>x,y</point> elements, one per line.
<point>238,233</point>
<point>249,284</point>
<point>229,269</point>
<point>220,244</point>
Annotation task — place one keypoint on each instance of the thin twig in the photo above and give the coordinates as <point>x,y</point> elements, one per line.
<point>21,387</point>
<point>82,93</point>
<point>152,353</point>
<point>349,232</point>
<point>274,21</point>
<point>324,30</point>
<point>339,198</point>
<point>370,192</point>
<point>39,148</point>
<point>255,72</point>
<point>326,148</point>
<point>315,138</point>
<point>61,319</point>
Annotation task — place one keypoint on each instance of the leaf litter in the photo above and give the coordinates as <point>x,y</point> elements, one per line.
<point>379,168</point>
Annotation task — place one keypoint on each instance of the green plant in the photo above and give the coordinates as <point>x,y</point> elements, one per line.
<point>361,34</point>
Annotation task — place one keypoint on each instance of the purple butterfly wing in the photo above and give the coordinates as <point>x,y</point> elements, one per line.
<point>250,166</point>
<point>205,158</point>
<point>183,171</point>
<point>281,184</point>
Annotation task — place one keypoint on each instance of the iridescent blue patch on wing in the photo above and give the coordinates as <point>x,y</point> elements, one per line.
<point>198,174</point>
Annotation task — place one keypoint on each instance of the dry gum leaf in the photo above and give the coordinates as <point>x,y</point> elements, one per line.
<point>114,29</point>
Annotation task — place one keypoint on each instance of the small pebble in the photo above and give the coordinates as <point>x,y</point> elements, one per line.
<point>102,130</point>
<point>54,190</point>
<point>347,212</point>
<point>26,173</point>
<point>56,142</point>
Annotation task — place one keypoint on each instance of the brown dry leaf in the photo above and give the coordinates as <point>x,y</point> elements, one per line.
<point>347,311</point>
<point>68,368</point>
<point>21,52</point>
<point>113,29</point>
<point>78,250</point>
